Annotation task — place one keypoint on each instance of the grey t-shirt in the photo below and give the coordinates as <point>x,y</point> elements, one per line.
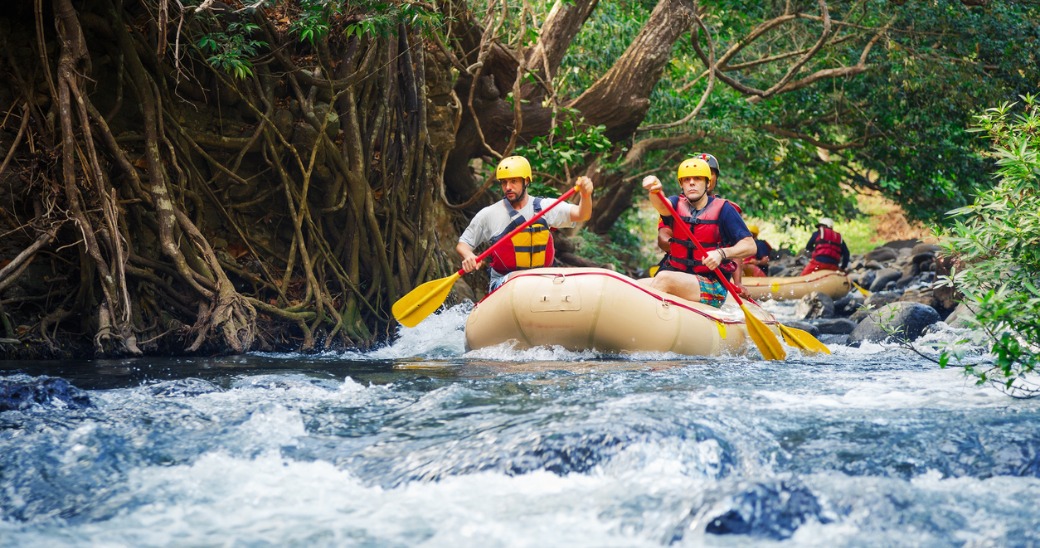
<point>493,219</point>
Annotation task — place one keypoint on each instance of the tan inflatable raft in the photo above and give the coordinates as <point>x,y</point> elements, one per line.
<point>598,309</point>
<point>832,283</point>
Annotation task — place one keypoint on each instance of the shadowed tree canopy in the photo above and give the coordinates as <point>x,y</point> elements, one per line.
<point>202,176</point>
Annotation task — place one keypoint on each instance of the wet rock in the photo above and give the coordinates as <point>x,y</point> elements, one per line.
<point>881,298</point>
<point>881,255</point>
<point>901,320</point>
<point>961,317</point>
<point>920,248</point>
<point>768,510</point>
<point>946,295</point>
<point>849,304</point>
<point>834,340</point>
<point>21,392</point>
<point>814,305</point>
<point>835,326</point>
<point>923,295</point>
<point>924,261</point>
<point>864,279</point>
<point>883,277</point>
<point>900,245</point>
<point>804,326</point>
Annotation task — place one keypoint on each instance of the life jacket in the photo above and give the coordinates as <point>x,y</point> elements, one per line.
<point>532,247</point>
<point>683,254</point>
<point>828,246</point>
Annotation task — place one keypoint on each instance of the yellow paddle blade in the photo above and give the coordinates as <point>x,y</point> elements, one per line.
<point>764,339</point>
<point>802,339</point>
<point>423,300</point>
<point>864,292</point>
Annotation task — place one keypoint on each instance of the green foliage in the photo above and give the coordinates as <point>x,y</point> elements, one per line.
<point>940,62</point>
<point>934,65</point>
<point>568,145</point>
<point>381,19</point>
<point>368,18</point>
<point>231,49</point>
<point>615,250</point>
<point>998,240</point>
<point>312,22</point>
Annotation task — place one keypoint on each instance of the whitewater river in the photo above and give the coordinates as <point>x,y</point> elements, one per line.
<point>422,444</point>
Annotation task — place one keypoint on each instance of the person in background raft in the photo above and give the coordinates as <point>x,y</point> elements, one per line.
<point>829,251</point>
<point>531,247</point>
<point>757,265</point>
<point>714,222</point>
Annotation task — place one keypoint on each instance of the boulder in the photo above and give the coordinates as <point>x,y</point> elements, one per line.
<point>814,305</point>
<point>904,321</point>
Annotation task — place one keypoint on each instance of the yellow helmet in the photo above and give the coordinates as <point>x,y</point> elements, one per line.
<point>513,166</point>
<point>694,167</point>
<point>753,229</point>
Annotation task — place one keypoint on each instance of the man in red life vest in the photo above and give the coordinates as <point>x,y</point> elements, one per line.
<point>829,251</point>
<point>531,247</point>
<point>664,231</point>
<point>714,222</point>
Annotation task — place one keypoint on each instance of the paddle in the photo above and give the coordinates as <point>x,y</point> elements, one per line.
<point>763,338</point>
<point>802,339</point>
<point>864,292</point>
<point>423,300</point>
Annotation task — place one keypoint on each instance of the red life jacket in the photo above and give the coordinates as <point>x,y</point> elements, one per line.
<point>532,247</point>
<point>683,255</point>
<point>828,246</point>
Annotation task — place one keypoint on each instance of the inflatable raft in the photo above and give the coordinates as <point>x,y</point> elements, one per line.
<point>598,309</point>
<point>832,283</point>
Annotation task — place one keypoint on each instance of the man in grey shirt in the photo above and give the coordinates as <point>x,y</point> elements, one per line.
<point>531,247</point>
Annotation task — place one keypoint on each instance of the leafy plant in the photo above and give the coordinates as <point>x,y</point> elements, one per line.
<point>313,21</point>
<point>570,141</point>
<point>231,49</point>
<point>997,238</point>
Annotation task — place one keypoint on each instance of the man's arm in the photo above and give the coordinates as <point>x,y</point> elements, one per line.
<point>584,210</point>
<point>812,242</point>
<point>664,235</point>
<point>845,255</point>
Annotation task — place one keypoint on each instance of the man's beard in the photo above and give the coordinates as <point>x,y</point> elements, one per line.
<point>518,198</point>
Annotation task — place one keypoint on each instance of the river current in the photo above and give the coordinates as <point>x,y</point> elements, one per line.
<point>423,444</point>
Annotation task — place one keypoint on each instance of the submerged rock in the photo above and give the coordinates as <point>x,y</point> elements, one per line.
<point>20,392</point>
<point>772,511</point>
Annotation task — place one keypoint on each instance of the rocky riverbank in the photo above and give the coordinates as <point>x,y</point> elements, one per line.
<point>898,295</point>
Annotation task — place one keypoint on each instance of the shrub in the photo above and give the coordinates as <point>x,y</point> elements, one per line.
<point>997,238</point>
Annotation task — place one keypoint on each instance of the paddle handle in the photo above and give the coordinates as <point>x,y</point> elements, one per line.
<point>678,222</point>
<point>517,230</point>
